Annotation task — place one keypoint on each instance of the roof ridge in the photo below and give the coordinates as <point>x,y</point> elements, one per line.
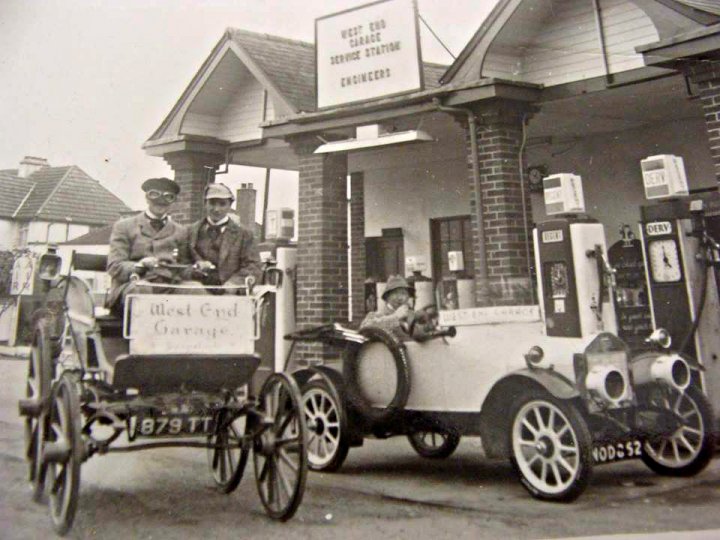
<point>55,189</point>
<point>272,36</point>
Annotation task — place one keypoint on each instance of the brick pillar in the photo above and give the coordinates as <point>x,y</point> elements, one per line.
<point>706,74</point>
<point>357,240</point>
<point>193,171</point>
<point>504,252</point>
<point>322,274</point>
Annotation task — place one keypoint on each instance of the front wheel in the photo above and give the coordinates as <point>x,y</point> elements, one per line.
<point>690,447</point>
<point>229,453</point>
<point>434,444</point>
<point>550,447</point>
<point>328,443</point>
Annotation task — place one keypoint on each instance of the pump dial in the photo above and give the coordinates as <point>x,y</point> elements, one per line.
<point>664,261</point>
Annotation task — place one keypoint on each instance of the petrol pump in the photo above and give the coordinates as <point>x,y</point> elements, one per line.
<point>574,277</point>
<point>679,233</point>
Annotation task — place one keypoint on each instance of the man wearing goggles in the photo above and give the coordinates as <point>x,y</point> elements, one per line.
<point>224,252</point>
<point>139,245</point>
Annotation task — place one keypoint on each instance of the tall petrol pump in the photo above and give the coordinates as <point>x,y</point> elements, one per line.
<point>679,233</point>
<point>574,277</point>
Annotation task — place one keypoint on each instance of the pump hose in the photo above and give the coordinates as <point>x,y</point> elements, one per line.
<point>703,293</point>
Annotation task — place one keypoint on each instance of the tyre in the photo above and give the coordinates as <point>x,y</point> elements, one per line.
<point>62,452</point>
<point>434,444</point>
<point>328,443</point>
<point>689,449</point>
<point>280,447</point>
<point>228,458</point>
<point>37,389</point>
<point>377,375</point>
<point>550,447</point>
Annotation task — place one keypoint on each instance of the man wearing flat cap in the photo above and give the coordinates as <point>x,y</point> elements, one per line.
<point>141,243</point>
<point>224,251</point>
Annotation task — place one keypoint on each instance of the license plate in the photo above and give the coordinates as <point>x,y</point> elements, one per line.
<point>173,425</point>
<point>616,451</point>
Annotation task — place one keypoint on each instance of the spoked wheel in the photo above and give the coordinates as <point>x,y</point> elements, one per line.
<point>434,444</point>
<point>328,444</point>
<point>280,447</point>
<point>37,393</point>
<point>550,447</point>
<point>690,447</point>
<point>62,451</point>
<point>228,459</point>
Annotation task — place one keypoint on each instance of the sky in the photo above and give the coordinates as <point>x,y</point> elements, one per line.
<point>86,82</point>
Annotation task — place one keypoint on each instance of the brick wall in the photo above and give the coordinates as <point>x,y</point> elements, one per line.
<point>357,240</point>
<point>322,275</point>
<point>706,74</point>
<point>499,138</point>
<point>192,174</point>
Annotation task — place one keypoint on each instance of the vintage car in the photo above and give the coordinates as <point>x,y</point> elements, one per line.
<point>555,407</point>
<point>176,370</point>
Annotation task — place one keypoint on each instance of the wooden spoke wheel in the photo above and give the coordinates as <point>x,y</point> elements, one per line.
<point>328,444</point>
<point>434,444</point>
<point>228,458</point>
<point>550,447</point>
<point>690,447</point>
<point>280,447</point>
<point>62,453</point>
<point>37,392</point>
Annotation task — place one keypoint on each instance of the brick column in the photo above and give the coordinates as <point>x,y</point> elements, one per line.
<point>504,252</point>
<point>357,241</point>
<point>193,171</point>
<point>322,275</point>
<point>706,74</point>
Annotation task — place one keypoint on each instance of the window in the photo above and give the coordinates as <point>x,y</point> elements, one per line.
<point>451,234</point>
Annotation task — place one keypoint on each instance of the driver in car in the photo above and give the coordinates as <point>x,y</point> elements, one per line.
<point>141,244</point>
<point>397,315</point>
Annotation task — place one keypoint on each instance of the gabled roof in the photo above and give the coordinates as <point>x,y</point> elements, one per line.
<point>13,191</point>
<point>59,194</point>
<point>284,66</point>
<point>709,6</point>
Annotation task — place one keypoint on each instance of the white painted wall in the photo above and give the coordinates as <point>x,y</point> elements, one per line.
<point>610,168</point>
<point>8,234</point>
<point>44,231</point>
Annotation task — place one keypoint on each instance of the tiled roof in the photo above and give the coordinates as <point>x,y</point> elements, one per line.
<point>96,237</point>
<point>12,191</point>
<point>60,193</point>
<point>711,6</point>
<point>290,65</point>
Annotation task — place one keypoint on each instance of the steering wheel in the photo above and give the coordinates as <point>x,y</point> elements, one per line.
<point>427,316</point>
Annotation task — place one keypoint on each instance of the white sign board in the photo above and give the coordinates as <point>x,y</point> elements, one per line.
<point>22,275</point>
<point>368,52</point>
<point>180,324</point>
<point>489,315</point>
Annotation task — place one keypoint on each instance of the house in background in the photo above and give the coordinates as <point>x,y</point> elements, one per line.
<point>40,204</point>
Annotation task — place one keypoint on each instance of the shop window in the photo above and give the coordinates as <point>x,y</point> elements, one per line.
<point>22,237</point>
<point>448,235</point>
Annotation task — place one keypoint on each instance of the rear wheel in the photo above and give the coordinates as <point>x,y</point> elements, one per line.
<point>37,390</point>
<point>280,447</point>
<point>690,447</point>
<point>62,451</point>
<point>434,444</point>
<point>229,456</point>
<point>328,444</point>
<point>550,447</point>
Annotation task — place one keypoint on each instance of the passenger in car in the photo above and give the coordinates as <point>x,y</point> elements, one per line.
<point>223,251</point>
<point>141,244</point>
<point>397,310</point>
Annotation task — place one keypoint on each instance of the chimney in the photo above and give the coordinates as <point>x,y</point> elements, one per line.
<point>246,205</point>
<point>30,164</point>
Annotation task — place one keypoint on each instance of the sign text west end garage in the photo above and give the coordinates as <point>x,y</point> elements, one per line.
<point>367,52</point>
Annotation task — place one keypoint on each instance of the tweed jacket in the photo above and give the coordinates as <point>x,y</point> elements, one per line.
<point>134,238</point>
<point>239,256</point>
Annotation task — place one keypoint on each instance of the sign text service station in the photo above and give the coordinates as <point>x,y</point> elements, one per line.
<point>367,52</point>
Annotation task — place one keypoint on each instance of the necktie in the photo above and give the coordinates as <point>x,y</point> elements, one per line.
<point>157,224</point>
<point>214,231</point>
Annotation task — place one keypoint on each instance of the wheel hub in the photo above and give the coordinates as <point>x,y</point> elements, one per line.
<point>545,446</point>
<point>319,426</point>
<point>266,444</point>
